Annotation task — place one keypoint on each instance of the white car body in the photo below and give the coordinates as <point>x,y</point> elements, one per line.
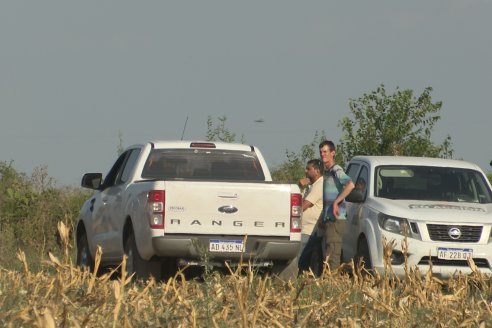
<point>189,203</point>
<point>445,226</point>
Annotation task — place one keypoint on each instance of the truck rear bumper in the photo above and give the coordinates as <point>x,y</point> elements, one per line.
<point>197,248</point>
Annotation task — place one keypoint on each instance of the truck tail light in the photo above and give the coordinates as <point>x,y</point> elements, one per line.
<point>295,212</point>
<point>156,201</point>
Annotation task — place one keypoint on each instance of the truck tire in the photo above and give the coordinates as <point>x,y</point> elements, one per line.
<point>84,257</point>
<point>363,252</point>
<point>141,268</point>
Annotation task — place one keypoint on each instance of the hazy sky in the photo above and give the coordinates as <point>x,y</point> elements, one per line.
<point>75,74</point>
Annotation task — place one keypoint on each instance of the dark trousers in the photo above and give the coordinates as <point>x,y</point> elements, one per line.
<point>312,255</point>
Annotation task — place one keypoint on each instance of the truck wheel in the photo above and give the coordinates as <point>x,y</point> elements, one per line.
<point>363,252</point>
<point>136,265</point>
<point>84,257</point>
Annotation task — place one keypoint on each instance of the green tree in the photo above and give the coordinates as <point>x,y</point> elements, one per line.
<point>293,168</point>
<point>396,124</point>
<point>220,132</point>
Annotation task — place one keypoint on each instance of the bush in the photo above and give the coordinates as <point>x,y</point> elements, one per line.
<point>30,208</point>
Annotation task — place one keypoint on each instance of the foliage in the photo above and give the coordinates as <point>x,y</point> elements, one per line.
<point>68,297</point>
<point>30,208</point>
<point>294,167</point>
<point>397,124</point>
<point>220,132</point>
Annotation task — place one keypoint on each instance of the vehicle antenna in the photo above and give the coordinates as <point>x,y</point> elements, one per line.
<point>184,128</point>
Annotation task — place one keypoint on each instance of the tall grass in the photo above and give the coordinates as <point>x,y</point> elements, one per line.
<point>30,208</point>
<point>40,286</point>
<point>64,296</point>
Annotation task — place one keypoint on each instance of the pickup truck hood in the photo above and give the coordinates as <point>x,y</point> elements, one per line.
<point>240,208</point>
<point>435,211</point>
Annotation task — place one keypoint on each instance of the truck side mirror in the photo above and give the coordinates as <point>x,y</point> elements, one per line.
<point>92,180</point>
<point>356,196</point>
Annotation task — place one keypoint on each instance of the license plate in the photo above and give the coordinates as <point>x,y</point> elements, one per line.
<point>446,253</point>
<point>226,246</point>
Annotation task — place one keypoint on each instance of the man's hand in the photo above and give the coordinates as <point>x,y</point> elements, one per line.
<point>304,182</point>
<point>336,209</point>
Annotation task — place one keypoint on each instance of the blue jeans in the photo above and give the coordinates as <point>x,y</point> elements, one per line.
<point>311,256</point>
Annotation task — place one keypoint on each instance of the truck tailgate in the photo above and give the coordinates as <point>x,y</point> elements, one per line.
<point>235,208</point>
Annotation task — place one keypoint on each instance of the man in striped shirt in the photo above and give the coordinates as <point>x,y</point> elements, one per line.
<point>336,186</point>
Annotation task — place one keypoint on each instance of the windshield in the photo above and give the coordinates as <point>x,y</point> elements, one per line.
<point>202,164</point>
<point>431,183</point>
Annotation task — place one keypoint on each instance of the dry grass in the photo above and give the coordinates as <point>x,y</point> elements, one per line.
<point>66,297</point>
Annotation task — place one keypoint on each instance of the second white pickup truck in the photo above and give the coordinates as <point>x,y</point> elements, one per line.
<point>442,207</point>
<point>167,204</point>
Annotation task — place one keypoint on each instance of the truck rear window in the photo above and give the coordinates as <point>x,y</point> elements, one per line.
<point>202,164</point>
<point>432,183</point>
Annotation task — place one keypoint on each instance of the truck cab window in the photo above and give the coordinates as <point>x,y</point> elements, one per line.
<point>116,174</point>
<point>128,166</point>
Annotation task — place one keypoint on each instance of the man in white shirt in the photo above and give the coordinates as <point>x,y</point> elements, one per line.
<point>312,205</point>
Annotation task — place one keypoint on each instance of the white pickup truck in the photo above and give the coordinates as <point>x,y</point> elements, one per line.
<point>444,207</point>
<point>167,204</point>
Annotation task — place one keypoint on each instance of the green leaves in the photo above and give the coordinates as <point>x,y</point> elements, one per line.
<point>30,208</point>
<point>380,124</point>
<point>397,124</point>
<point>294,167</point>
<point>219,132</point>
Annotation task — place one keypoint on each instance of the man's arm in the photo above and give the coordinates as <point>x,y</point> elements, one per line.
<point>306,204</point>
<point>347,188</point>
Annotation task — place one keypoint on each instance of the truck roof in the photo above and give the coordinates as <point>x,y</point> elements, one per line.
<point>413,160</point>
<point>187,144</point>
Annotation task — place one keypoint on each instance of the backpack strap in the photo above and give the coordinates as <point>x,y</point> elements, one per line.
<point>333,173</point>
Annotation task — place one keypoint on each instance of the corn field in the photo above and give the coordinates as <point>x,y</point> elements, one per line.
<point>64,296</point>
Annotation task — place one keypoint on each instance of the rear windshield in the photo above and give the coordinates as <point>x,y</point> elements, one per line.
<point>431,183</point>
<point>202,164</point>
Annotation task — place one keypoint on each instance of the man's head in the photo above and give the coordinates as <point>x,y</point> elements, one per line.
<point>314,170</point>
<point>327,153</point>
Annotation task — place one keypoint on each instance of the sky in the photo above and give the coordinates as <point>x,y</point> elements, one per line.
<point>75,76</point>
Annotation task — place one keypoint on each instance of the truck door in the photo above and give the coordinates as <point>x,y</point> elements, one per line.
<point>108,214</point>
<point>355,213</point>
